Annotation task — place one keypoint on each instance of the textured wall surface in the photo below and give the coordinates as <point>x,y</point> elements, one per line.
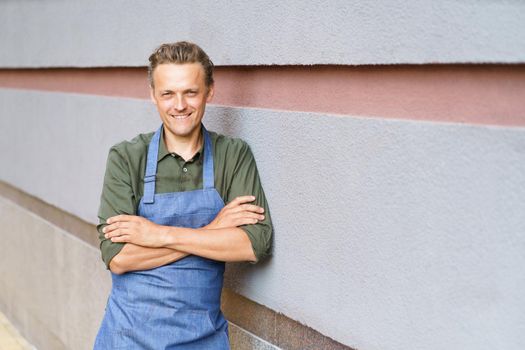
<point>389,234</point>
<point>119,33</point>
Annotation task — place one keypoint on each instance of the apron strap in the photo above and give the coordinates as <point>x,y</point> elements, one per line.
<point>208,179</point>
<point>151,167</point>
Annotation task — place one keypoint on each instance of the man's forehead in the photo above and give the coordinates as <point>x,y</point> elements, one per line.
<point>170,75</point>
<point>180,68</point>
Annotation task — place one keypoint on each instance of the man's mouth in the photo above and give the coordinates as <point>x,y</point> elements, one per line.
<point>180,116</point>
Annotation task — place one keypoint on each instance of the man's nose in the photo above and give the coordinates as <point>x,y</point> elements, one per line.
<point>180,103</point>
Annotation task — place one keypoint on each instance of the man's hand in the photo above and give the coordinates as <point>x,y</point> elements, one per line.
<point>237,213</point>
<point>134,229</point>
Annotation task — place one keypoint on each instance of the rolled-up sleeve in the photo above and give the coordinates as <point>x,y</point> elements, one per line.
<point>246,181</point>
<point>117,198</point>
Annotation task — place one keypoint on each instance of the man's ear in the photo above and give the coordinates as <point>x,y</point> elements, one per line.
<point>211,92</point>
<point>152,94</point>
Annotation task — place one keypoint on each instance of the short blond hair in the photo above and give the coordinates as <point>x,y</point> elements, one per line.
<point>179,53</point>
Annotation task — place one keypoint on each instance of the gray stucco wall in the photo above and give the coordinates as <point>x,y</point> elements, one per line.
<point>120,33</point>
<point>389,234</point>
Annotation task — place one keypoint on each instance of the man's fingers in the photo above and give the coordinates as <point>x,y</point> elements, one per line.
<point>123,238</point>
<point>109,228</point>
<point>114,226</point>
<point>117,229</point>
<point>256,216</point>
<point>114,233</point>
<point>252,208</point>
<point>246,221</point>
<point>247,208</point>
<point>239,200</point>
<point>249,215</point>
<point>121,217</point>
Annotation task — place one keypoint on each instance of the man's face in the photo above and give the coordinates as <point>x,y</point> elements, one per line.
<point>180,95</point>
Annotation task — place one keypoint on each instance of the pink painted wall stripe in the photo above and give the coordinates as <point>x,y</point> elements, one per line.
<point>474,94</point>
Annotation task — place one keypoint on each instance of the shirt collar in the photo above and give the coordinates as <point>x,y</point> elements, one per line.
<point>163,151</point>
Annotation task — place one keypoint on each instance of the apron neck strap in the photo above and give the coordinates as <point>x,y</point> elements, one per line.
<point>152,161</point>
<point>208,179</point>
<point>151,167</point>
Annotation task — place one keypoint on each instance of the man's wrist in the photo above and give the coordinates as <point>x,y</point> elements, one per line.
<point>168,236</point>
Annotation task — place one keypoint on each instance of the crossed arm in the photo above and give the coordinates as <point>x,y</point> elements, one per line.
<point>149,245</point>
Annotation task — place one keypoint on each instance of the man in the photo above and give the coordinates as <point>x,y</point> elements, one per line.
<point>165,232</point>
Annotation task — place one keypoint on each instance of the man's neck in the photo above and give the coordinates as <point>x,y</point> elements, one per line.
<point>186,147</point>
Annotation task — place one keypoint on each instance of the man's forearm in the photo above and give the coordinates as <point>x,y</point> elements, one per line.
<point>221,240</point>
<point>225,244</point>
<point>134,257</point>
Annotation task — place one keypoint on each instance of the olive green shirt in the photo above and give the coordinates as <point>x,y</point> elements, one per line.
<point>235,175</point>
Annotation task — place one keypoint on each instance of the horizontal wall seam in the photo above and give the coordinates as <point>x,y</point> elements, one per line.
<point>472,94</point>
<point>79,228</point>
<point>243,312</point>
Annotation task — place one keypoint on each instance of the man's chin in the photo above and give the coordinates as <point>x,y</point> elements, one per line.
<point>181,131</point>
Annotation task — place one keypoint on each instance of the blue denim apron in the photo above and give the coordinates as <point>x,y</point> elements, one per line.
<point>175,306</point>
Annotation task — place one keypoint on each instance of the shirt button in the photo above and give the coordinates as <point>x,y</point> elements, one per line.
<point>185,170</point>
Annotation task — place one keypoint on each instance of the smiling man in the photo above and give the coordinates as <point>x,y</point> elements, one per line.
<point>164,227</point>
